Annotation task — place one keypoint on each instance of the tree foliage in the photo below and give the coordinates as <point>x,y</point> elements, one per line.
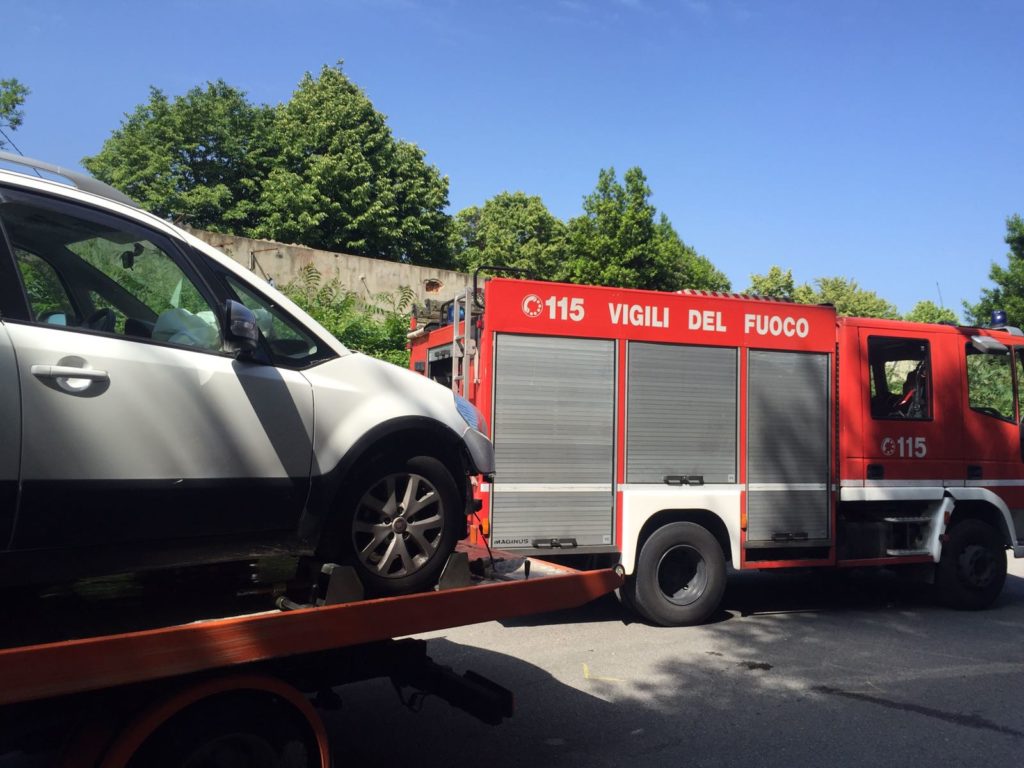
<point>322,169</point>
<point>342,182</point>
<point>376,325</point>
<point>199,157</point>
<point>843,293</point>
<point>12,96</point>
<point>692,270</point>
<point>929,312</point>
<point>619,240</point>
<point>511,229</point>
<point>776,283</point>
<point>1008,292</point>
<point>847,297</point>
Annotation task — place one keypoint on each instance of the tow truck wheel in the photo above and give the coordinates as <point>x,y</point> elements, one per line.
<point>232,729</point>
<point>972,569</point>
<point>401,522</point>
<point>680,576</point>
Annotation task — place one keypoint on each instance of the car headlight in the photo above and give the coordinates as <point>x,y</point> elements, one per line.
<point>470,413</point>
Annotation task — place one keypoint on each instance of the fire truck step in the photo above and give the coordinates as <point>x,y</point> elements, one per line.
<point>907,520</point>
<point>906,552</point>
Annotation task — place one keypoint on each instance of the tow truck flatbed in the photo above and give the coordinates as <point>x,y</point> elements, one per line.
<point>281,655</point>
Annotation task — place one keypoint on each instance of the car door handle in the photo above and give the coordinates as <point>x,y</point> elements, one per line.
<point>68,372</point>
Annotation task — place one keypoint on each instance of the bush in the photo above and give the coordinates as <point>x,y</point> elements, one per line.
<point>375,326</point>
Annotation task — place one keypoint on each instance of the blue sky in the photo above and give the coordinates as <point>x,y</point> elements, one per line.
<point>882,141</point>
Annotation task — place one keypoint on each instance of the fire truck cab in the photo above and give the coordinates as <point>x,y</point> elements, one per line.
<point>681,433</point>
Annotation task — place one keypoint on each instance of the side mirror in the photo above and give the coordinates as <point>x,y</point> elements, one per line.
<point>987,345</point>
<point>240,328</point>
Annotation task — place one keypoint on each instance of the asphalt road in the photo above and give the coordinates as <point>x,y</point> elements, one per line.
<point>796,671</point>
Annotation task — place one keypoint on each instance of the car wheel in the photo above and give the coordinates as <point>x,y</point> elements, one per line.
<point>401,522</point>
<point>680,576</point>
<point>972,569</point>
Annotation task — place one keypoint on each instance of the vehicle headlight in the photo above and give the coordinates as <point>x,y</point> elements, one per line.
<point>470,413</point>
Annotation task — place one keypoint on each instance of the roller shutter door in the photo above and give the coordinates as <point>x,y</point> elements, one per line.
<point>554,429</point>
<point>681,411</point>
<point>787,448</point>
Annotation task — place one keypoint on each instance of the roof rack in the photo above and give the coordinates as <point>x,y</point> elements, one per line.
<point>80,181</point>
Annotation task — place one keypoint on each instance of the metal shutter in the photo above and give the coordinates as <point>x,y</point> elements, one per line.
<point>787,447</point>
<point>681,413</point>
<point>554,429</point>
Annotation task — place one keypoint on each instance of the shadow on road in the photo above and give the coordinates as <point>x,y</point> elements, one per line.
<point>866,670</point>
<point>764,593</point>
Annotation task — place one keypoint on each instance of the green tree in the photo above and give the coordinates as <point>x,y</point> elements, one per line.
<point>1008,292</point>
<point>843,293</point>
<point>846,296</point>
<point>775,284</point>
<point>929,312</point>
<point>12,96</point>
<point>511,229</point>
<point>692,269</point>
<point>322,169</point>
<point>342,182</point>
<point>619,241</point>
<point>199,157</point>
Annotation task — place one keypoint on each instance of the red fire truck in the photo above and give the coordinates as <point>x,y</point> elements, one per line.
<point>681,432</point>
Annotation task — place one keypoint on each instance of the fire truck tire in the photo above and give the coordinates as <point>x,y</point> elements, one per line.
<point>228,730</point>
<point>680,576</point>
<point>400,521</point>
<point>972,569</point>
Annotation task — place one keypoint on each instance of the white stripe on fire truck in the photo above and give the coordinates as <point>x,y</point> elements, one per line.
<point>676,489</point>
<point>552,487</point>
<point>787,486</point>
<point>936,483</point>
<point>930,483</point>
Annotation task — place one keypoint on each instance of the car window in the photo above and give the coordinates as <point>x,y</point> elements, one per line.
<point>89,271</point>
<point>289,343</point>
<point>46,294</point>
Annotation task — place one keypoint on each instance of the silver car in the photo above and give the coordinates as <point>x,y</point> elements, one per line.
<point>160,405</point>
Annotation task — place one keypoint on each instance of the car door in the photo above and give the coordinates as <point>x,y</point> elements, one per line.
<point>10,429</point>
<point>137,425</point>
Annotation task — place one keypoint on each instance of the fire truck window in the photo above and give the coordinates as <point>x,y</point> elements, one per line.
<point>900,380</point>
<point>439,365</point>
<point>1018,355</point>
<point>990,383</point>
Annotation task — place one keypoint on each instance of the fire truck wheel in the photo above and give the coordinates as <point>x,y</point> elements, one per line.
<point>400,522</point>
<point>972,569</point>
<point>680,575</point>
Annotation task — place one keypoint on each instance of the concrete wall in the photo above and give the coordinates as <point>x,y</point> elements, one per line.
<point>365,276</point>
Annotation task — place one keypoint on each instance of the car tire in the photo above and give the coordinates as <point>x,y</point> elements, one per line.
<point>680,576</point>
<point>400,520</point>
<point>971,572</point>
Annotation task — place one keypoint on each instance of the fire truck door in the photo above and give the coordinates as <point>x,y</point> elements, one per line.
<point>912,424</point>
<point>787,449</point>
<point>992,422</point>
<point>554,438</point>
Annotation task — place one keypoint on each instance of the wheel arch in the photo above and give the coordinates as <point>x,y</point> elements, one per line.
<point>982,504</point>
<point>702,517</point>
<point>409,435</point>
<point>148,722</point>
